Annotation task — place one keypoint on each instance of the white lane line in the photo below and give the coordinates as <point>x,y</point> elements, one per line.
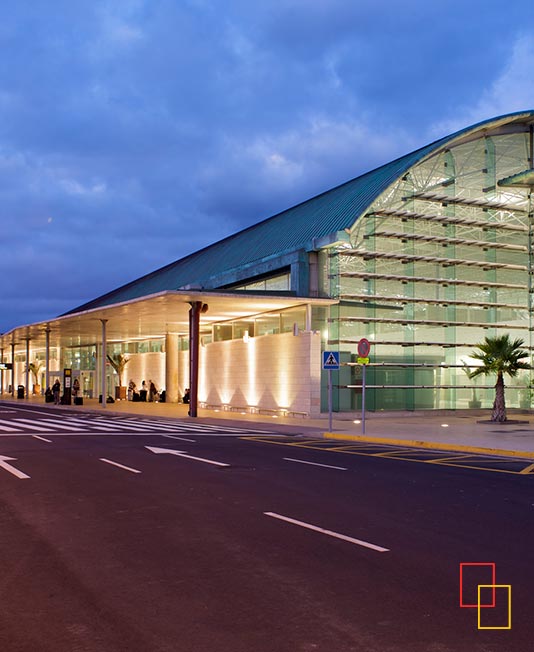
<point>326,466</point>
<point>330,533</point>
<point>48,441</point>
<point>193,441</point>
<point>121,466</point>
<point>4,459</point>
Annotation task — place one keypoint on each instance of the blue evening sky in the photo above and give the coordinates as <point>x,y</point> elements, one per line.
<point>133,132</point>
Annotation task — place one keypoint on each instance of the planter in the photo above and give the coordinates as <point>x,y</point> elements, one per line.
<point>36,389</point>
<point>120,393</point>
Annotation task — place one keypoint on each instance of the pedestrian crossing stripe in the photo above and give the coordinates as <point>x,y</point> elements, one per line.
<point>101,425</point>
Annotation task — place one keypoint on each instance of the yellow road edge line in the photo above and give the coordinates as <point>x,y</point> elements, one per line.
<point>447,459</point>
<point>527,469</point>
<point>475,468</point>
<point>461,448</point>
<point>395,452</point>
<point>407,459</point>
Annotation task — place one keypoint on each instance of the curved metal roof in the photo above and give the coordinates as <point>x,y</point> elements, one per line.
<point>294,229</point>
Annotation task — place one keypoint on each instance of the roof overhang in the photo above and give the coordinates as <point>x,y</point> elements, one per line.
<point>150,317</point>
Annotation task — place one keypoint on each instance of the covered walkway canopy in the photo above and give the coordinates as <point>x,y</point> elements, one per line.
<point>177,312</point>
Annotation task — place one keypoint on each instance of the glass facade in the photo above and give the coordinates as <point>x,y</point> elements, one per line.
<point>440,260</point>
<point>277,283</point>
<point>267,323</point>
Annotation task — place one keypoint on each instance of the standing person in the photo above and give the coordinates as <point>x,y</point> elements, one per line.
<point>152,392</point>
<point>75,389</point>
<point>143,392</point>
<point>56,388</point>
<point>131,390</point>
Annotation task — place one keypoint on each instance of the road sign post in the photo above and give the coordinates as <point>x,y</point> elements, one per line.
<point>364,367</point>
<point>364,347</point>
<point>330,363</point>
<point>330,400</point>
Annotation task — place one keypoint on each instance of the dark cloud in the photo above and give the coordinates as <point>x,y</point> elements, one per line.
<point>133,132</point>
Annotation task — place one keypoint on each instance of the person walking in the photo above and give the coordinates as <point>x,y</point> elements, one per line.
<point>75,389</point>
<point>56,388</point>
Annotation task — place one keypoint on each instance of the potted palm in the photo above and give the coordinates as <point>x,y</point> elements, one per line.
<point>119,362</point>
<point>500,355</point>
<point>34,368</point>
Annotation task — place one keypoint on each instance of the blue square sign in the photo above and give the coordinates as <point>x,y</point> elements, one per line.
<point>331,360</point>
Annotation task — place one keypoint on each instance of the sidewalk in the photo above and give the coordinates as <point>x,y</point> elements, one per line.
<point>444,431</point>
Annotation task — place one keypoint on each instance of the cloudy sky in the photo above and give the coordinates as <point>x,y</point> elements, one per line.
<point>133,132</point>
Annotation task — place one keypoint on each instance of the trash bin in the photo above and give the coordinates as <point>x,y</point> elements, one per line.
<point>20,391</point>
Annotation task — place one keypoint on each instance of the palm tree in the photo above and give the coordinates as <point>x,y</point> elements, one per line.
<point>35,368</point>
<point>499,355</point>
<point>118,362</point>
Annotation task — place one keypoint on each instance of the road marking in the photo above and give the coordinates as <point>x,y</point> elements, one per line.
<point>8,428</point>
<point>326,466</point>
<point>49,424</point>
<point>48,441</point>
<point>336,535</point>
<point>121,466</point>
<point>436,460</point>
<point>89,422</point>
<point>169,451</point>
<point>11,469</point>
<point>528,469</point>
<point>193,441</point>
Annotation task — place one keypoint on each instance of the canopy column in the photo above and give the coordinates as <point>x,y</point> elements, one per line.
<point>171,368</point>
<point>47,359</point>
<point>103,363</point>
<point>12,368</point>
<point>197,307</point>
<point>27,371</point>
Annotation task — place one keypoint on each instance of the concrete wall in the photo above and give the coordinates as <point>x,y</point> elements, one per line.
<point>268,372</point>
<point>146,366</point>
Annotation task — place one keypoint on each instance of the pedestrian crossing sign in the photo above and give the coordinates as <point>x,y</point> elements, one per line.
<point>331,360</point>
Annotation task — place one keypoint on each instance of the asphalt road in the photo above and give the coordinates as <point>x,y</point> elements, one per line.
<point>170,552</point>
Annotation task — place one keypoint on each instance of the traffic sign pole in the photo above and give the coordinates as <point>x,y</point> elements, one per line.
<point>330,363</point>
<point>364,347</point>
<point>363,398</point>
<point>330,400</point>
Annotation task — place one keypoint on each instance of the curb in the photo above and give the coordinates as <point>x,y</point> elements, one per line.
<point>442,446</point>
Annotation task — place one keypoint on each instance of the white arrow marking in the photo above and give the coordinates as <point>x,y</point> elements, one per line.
<point>11,469</point>
<point>155,449</point>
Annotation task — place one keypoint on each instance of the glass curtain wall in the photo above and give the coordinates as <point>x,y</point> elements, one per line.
<point>438,262</point>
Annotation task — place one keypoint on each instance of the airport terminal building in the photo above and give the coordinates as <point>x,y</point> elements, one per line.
<point>424,257</point>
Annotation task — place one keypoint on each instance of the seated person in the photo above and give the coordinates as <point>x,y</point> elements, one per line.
<point>186,396</point>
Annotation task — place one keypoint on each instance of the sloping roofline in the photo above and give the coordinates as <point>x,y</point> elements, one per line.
<point>294,229</point>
